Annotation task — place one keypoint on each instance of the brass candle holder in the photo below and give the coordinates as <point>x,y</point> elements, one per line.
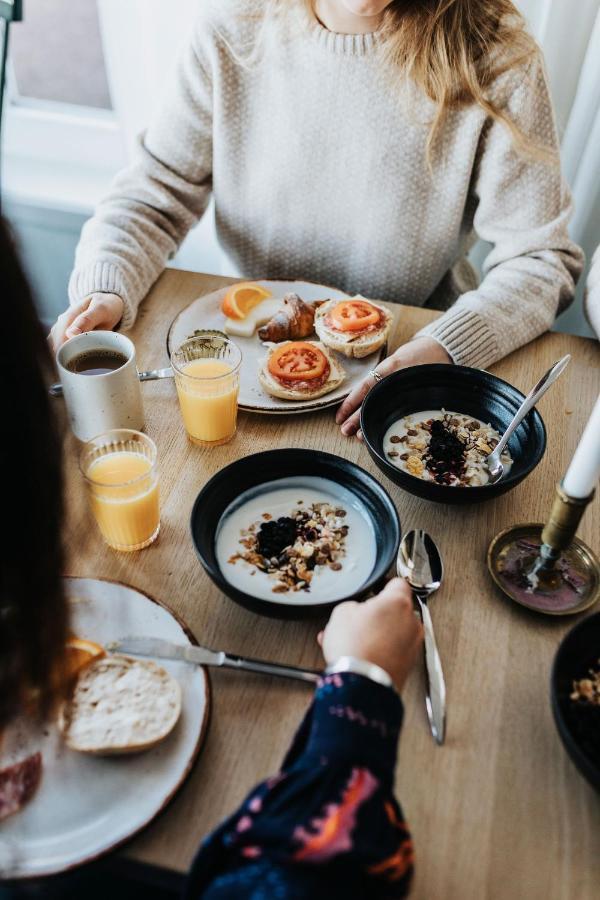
<point>546,567</point>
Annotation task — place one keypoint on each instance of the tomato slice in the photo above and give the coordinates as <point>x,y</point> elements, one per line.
<point>354,315</point>
<point>297,361</point>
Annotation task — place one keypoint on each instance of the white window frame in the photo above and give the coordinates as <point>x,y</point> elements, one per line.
<point>58,155</point>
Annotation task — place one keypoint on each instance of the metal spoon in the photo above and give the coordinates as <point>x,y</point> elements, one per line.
<point>56,390</point>
<point>493,461</point>
<point>419,561</point>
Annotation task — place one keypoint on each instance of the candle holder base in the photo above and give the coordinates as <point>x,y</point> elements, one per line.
<point>569,586</point>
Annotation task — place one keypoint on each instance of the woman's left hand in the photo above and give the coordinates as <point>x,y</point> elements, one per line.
<point>417,352</point>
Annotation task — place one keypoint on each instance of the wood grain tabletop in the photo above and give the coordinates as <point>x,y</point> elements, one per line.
<point>499,811</point>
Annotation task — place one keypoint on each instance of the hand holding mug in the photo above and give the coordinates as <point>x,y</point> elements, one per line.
<point>97,311</point>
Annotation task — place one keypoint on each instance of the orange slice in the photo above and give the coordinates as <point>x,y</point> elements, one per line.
<point>79,653</point>
<point>242,297</point>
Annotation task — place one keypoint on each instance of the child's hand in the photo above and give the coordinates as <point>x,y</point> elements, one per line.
<point>98,311</point>
<point>417,352</point>
<point>383,630</point>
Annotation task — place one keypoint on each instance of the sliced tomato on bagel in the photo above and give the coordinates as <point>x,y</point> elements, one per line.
<point>354,315</point>
<point>298,361</point>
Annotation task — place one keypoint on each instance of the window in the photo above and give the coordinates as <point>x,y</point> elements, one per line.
<point>56,54</point>
<point>62,143</point>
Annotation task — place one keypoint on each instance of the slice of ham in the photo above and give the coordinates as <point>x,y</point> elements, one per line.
<point>18,784</point>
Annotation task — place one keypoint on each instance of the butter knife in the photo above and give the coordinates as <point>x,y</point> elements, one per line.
<point>202,656</point>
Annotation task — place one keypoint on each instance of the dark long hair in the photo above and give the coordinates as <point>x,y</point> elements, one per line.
<point>33,610</point>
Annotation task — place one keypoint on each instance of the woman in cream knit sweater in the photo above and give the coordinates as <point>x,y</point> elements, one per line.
<point>359,143</point>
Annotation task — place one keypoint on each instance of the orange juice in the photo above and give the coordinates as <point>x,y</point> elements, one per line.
<point>124,498</point>
<point>208,397</point>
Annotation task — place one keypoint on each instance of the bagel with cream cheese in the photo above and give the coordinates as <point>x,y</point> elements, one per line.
<point>354,327</point>
<point>300,370</point>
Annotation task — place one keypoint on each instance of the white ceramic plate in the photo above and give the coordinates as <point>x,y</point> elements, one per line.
<point>88,805</point>
<point>205,312</point>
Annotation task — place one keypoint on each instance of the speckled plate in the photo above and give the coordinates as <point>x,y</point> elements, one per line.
<point>88,805</point>
<point>205,312</point>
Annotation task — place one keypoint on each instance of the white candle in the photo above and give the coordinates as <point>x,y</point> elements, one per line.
<point>584,471</point>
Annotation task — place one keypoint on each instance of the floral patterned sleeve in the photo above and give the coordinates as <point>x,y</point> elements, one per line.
<point>327,825</point>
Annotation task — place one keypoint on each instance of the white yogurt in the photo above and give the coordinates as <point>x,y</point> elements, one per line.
<point>476,471</point>
<point>280,498</point>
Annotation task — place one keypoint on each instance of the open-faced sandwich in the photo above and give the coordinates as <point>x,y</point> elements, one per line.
<point>300,370</point>
<point>355,327</point>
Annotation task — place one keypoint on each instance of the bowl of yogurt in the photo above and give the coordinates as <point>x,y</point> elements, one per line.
<point>430,429</point>
<point>291,533</point>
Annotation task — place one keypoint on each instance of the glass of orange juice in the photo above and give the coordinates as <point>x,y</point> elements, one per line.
<point>207,376</point>
<point>121,472</point>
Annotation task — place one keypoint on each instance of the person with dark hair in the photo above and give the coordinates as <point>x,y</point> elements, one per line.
<point>33,609</point>
<point>327,825</point>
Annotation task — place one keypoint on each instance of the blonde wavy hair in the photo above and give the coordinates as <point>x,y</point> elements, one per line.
<point>452,50</point>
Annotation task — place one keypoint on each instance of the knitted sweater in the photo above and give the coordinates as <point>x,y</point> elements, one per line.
<point>316,160</point>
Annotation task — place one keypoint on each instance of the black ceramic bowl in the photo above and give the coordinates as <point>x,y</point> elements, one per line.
<point>458,389</point>
<point>579,730</point>
<point>275,465</point>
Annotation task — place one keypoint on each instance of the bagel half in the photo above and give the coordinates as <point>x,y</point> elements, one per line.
<point>120,705</point>
<point>353,344</point>
<point>275,389</point>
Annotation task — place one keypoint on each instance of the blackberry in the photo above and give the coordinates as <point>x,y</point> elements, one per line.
<point>274,536</point>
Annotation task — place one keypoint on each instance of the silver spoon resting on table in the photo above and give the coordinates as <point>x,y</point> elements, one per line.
<point>493,462</point>
<point>56,390</point>
<point>420,562</point>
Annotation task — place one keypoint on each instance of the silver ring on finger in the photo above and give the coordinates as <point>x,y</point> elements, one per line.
<point>376,375</point>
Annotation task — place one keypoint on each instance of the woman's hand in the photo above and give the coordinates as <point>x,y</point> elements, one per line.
<point>417,352</point>
<point>103,311</point>
<point>383,630</point>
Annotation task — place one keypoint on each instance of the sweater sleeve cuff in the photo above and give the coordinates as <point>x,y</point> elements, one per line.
<point>356,718</point>
<point>465,336</point>
<point>103,278</point>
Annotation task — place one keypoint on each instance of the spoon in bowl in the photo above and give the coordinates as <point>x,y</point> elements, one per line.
<point>419,561</point>
<point>493,462</point>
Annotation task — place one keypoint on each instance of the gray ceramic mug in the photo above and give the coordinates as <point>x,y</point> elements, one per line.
<point>97,403</point>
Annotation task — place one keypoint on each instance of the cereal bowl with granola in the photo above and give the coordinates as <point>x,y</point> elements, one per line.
<point>430,430</point>
<point>575,696</point>
<point>290,533</point>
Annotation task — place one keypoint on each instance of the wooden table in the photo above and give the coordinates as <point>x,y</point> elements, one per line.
<point>499,811</point>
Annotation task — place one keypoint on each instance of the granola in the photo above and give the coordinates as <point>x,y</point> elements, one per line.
<point>291,548</point>
<point>587,690</point>
<point>446,447</point>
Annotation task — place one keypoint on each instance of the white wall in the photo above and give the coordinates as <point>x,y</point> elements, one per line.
<point>47,239</point>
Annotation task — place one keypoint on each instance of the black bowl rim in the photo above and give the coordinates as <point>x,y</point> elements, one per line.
<point>270,607</point>
<point>582,760</point>
<point>476,490</point>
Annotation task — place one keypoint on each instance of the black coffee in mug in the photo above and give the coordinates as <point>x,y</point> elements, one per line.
<point>96,362</point>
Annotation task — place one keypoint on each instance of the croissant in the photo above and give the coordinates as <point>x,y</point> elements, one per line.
<point>294,320</point>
